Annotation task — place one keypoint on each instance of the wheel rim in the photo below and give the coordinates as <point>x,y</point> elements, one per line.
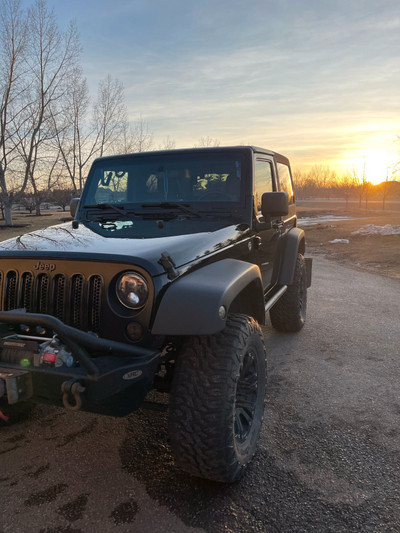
<point>246,397</point>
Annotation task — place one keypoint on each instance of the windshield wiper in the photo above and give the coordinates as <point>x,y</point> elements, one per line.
<point>119,210</point>
<point>174,205</point>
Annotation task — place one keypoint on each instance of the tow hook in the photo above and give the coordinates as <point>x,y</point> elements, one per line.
<point>72,390</point>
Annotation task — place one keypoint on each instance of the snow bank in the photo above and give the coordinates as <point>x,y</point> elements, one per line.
<point>371,229</point>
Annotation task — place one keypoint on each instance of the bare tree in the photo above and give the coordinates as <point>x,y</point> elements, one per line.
<point>36,64</point>
<point>299,179</point>
<point>143,138</point>
<point>28,201</point>
<point>392,173</point>
<point>75,141</point>
<point>79,138</point>
<point>13,42</point>
<point>204,142</point>
<point>135,137</point>
<point>313,182</point>
<point>343,187</point>
<point>61,197</point>
<point>53,57</point>
<point>110,115</point>
<point>167,144</point>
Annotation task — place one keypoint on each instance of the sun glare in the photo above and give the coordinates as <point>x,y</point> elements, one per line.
<point>375,164</point>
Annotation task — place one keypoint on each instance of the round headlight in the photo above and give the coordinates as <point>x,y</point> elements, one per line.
<point>132,290</point>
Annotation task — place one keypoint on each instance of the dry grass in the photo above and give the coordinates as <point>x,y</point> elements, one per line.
<point>25,223</point>
<point>375,253</point>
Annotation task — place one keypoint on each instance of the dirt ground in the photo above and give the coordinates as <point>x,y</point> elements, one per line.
<point>25,223</point>
<point>375,253</point>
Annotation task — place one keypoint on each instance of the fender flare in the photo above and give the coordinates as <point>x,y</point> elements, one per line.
<point>190,305</point>
<point>292,244</point>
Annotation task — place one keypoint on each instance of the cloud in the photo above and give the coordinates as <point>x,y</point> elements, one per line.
<point>311,79</point>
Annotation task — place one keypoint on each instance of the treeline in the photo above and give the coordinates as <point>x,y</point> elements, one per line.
<point>55,198</point>
<point>323,182</point>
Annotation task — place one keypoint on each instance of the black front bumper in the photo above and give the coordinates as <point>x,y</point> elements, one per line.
<point>115,376</point>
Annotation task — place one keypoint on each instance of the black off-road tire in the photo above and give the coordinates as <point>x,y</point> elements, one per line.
<point>289,312</point>
<point>217,400</point>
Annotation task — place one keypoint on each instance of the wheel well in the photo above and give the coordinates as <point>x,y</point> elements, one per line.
<point>302,246</point>
<point>250,302</point>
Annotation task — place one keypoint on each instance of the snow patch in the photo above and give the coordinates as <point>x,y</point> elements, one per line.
<point>340,241</point>
<point>371,229</point>
<point>312,221</point>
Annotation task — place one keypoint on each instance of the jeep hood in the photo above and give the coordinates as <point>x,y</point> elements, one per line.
<point>89,242</point>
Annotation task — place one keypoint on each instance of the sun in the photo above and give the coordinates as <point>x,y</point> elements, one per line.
<point>375,165</point>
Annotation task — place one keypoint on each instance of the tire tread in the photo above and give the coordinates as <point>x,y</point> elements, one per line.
<point>203,394</point>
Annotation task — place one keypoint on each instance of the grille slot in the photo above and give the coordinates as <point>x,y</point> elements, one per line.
<point>10,300</point>
<point>95,286</point>
<point>42,293</point>
<point>59,296</point>
<point>26,291</point>
<point>76,300</point>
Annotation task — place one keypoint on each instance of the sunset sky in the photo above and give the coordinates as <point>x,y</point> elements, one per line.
<point>316,80</point>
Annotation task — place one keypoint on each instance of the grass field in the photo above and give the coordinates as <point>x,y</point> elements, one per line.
<point>376,253</point>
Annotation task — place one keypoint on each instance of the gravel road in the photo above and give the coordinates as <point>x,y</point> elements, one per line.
<point>328,458</point>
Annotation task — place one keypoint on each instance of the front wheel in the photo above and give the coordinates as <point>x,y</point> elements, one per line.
<point>217,400</point>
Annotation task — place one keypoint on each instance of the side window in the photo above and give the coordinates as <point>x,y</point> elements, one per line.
<point>285,181</point>
<point>263,181</point>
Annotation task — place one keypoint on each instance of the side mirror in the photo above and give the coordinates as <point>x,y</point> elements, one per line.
<point>274,204</point>
<point>73,206</point>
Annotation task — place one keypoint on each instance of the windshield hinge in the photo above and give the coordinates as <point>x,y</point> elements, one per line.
<point>169,266</point>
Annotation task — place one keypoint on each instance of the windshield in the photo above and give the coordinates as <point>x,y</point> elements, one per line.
<point>183,178</point>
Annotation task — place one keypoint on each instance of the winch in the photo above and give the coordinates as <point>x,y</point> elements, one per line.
<point>35,351</point>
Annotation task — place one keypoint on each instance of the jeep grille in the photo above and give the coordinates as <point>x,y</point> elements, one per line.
<point>76,300</point>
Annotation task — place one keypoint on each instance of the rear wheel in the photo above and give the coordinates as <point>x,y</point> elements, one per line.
<point>217,400</point>
<point>289,312</point>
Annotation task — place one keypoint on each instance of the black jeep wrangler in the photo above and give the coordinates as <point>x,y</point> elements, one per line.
<point>161,281</point>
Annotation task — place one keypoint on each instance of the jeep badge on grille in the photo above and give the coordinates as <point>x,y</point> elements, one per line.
<point>45,266</point>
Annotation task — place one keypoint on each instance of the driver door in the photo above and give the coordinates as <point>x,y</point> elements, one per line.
<point>264,181</point>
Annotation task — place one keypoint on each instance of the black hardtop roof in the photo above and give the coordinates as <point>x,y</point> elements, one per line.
<point>254,149</point>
